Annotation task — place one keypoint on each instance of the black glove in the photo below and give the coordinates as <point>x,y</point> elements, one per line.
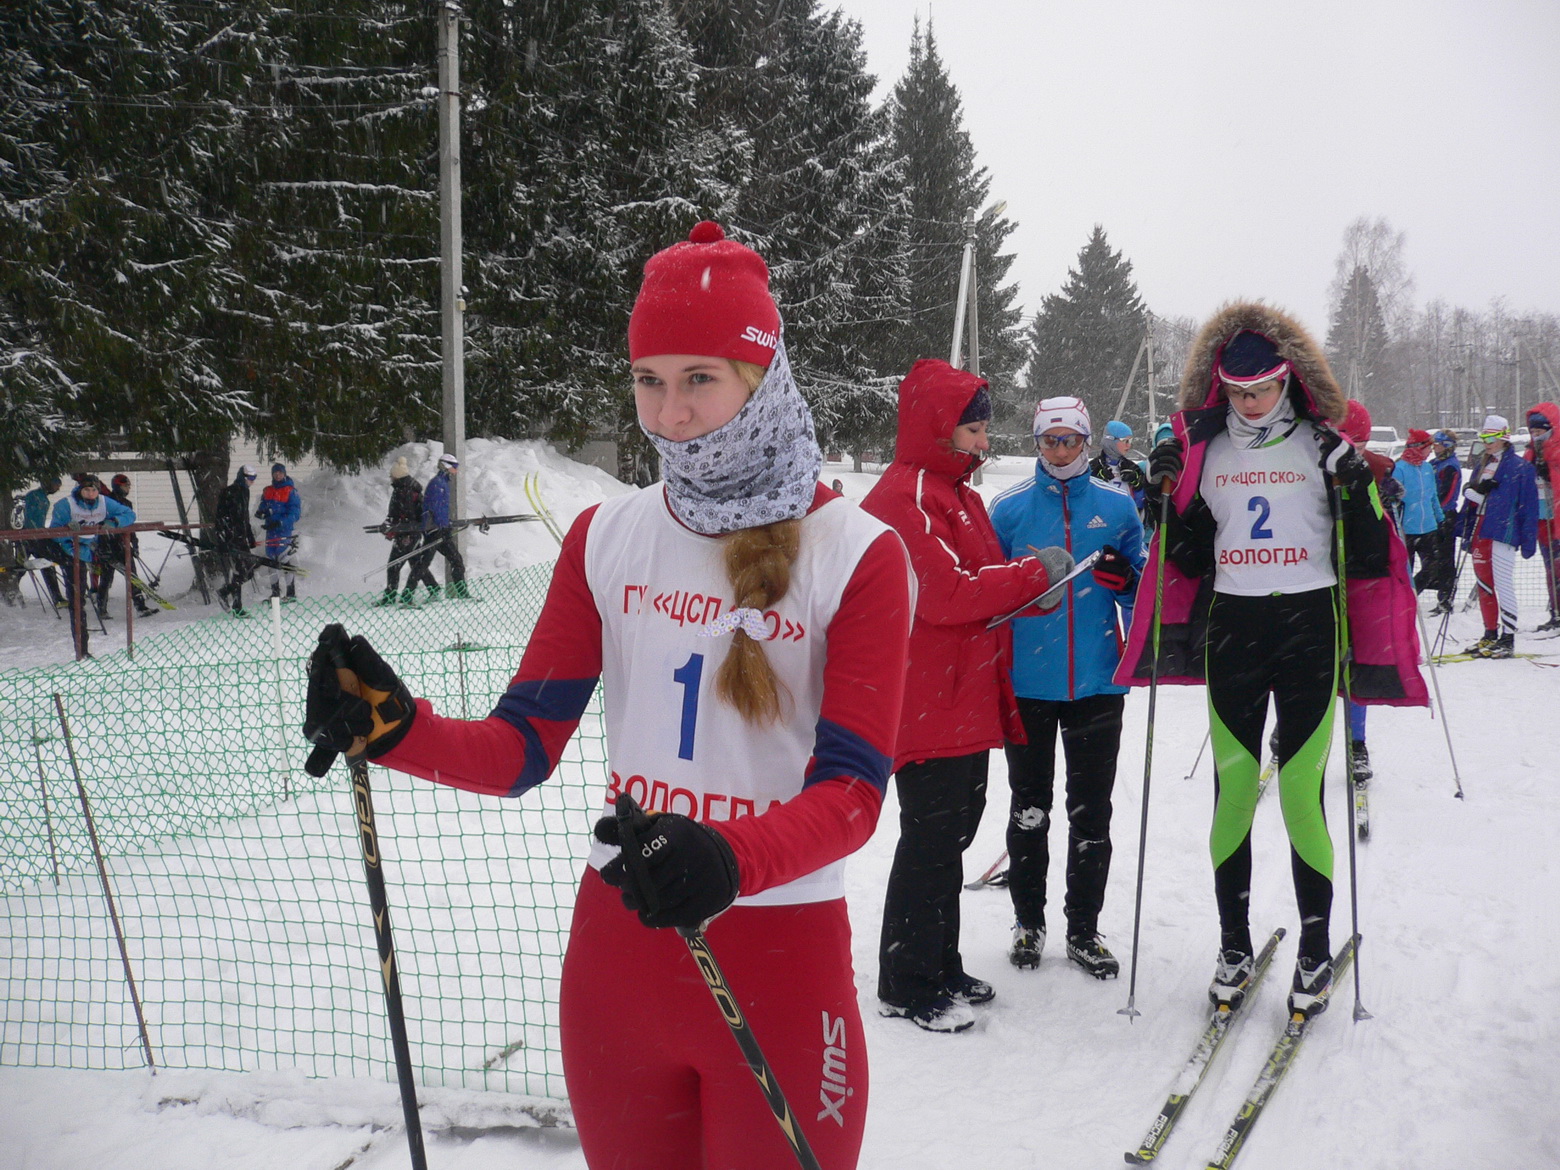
<point>673,871</point>
<point>1113,570</point>
<point>1341,461</point>
<point>1483,487</point>
<point>1166,462</point>
<point>370,722</point>
<point>1132,475</point>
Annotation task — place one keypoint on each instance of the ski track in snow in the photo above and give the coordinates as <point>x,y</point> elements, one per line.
<point>1460,964</point>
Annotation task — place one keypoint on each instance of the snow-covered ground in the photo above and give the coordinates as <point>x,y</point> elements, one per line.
<point>1458,1069</point>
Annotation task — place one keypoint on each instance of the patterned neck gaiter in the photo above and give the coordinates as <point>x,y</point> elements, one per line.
<point>760,468</point>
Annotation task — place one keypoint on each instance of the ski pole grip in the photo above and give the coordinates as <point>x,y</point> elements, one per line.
<point>629,819</point>
<point>347,679</point>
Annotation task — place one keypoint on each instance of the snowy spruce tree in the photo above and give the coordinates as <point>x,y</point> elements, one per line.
<point>1085,336</point>
<point>1357,339</point>
<point>583,156</point>
<point>822,197</point>
<point>944,185</point>
<point>117,251</point>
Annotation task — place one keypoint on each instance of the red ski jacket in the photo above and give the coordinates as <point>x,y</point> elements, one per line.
<point>958,688</point>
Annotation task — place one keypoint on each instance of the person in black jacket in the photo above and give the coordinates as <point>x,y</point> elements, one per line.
<point>403,528</point>
<point>235,538</point>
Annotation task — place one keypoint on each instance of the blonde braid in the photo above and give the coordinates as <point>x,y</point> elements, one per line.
<point>758,564</point>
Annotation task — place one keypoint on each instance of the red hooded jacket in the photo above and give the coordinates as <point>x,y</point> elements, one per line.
<point>1551,453</point>
<point>958,687</point>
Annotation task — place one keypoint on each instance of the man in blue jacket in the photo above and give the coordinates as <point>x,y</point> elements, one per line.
<point>280,507</point>
<point>438,535</point>
<point>1500,517</point>
<point>1062,667</point>
<point>85,507</point>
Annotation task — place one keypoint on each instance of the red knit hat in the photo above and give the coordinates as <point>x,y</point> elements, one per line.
<point>1356,423</point>
<point>709,296</point>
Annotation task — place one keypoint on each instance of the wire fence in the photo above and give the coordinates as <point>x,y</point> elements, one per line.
<point>238,879</point>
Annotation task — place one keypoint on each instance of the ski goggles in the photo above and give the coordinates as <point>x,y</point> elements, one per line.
<point>1491,436</point>
<point>1069,442</point>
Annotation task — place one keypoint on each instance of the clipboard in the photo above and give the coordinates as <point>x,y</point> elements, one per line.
<point>1051,596</point>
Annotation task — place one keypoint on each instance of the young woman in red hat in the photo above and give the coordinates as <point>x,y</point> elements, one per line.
<point>749,629</point>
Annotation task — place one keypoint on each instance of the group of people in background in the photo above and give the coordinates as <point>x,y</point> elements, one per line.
<point>235,543</point>
<point>418,527</point>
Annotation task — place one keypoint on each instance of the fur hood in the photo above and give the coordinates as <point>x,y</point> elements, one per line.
<point>1319,392</point>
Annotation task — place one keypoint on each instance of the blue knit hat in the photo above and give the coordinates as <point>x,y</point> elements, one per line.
<point>1444,438</point>
<point>275,467</point>
<point>979,409</point>
<point>1162,432</point>
<point>1116,429</point>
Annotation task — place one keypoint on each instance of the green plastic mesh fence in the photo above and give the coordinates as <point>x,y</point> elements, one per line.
<point>238,878</point>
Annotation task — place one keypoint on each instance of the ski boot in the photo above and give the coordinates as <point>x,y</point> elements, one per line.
<point>1028,945</point>
<point>1313,977</point>
<point>1503,647</point>
<point>1231,979</point>
<point>943,1014</point>
<point>291,595</point>
<point>1359,761</point>
<point>1088,951</point>
<point>433,595</point>
<point>968,989</point>
<point>1441,608</point>
<point>409,599</point>
<point>386,598</point>
<point>1477,650</point>
<point>1552,625</point>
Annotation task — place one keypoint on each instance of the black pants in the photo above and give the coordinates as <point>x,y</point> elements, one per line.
<point>1284,645</point>
<point>416,568</point>
<point>440,541</point>
<point>44,549</point>
<point>1446,562</point>
<point>77,576</point>
<point>1426,546</point>
<point>940,802</point>
<point>1091,738</point>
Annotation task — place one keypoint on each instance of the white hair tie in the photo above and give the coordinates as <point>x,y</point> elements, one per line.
<point>750,621</point>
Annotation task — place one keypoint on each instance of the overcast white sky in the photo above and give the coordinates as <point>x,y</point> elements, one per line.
<point>1225,144</point>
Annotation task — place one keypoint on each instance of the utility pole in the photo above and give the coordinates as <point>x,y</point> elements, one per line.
<point>452,298</point>
<point>1153,406</point>
<point>967,303</point>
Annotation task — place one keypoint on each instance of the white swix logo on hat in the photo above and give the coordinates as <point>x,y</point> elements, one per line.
<point>760,337</point>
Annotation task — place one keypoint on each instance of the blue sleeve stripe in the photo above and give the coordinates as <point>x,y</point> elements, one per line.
<point>556,700</point>
<point>839,752</point>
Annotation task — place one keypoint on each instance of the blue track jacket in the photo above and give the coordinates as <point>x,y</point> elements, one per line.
<point>1072,652</point>
<point>1421,505</point>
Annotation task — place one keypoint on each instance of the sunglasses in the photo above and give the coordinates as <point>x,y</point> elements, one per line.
<point>1051,442</point>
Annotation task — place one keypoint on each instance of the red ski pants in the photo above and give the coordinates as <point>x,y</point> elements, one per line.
<point>656,1079</point>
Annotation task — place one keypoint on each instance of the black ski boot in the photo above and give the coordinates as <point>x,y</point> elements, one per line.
<point>1553,624</point>
<point>1504,646</point>
<point>1028,946</point>
<point>1088,951</point>
<point>1359,761</point>
<point>1477,650</point>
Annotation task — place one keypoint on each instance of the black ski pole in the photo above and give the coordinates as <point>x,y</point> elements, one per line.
<point>1130,1011</point>
<point>730,1009</point>
<point>379,905</point>
<point>1345,659</point>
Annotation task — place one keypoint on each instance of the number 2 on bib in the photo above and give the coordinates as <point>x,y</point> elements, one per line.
<point>1259,528</point>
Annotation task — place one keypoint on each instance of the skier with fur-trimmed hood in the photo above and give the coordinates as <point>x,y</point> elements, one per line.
<point>1259,483</point>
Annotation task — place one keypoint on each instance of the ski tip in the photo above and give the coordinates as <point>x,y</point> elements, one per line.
<point>1138,1158</point>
